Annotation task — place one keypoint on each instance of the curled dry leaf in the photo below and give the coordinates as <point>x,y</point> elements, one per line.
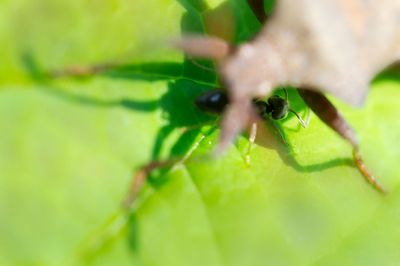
<point>333,46</point>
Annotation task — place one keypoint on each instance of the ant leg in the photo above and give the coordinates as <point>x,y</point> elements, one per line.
<point>118,221</point>
<point>252,138</point>
<point>81,71</point>
<point>194,62</point>
<point>302,122</point>
<point>143,173</point>
<point>286,94</point>
<point>327,112</point>
<point>364,171</point>
<point>140,177</point>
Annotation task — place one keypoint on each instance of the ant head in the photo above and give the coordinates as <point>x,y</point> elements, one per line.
<point>278,107</point>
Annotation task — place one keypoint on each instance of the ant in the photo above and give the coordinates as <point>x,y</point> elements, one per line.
<point>245,73</point>
<point>275,108</point>
<point>215,102</point>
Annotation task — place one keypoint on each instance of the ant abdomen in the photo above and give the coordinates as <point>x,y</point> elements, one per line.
<point>213,101</point>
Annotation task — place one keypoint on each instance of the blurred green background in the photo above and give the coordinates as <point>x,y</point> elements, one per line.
<point>69,147</point>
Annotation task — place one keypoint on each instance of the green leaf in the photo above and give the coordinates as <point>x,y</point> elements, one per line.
<point>69,147</point>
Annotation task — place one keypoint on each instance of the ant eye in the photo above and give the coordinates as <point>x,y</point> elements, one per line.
<point>213,101</point>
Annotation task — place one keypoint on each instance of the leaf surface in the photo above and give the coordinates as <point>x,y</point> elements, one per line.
<point>68,148</point>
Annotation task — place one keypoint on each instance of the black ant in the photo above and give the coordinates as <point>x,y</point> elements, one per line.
<point>275,108</point>
<point>215,102</point>
<point>241,66</point>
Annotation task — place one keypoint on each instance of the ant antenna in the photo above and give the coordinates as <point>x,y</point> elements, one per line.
<point>303,124</point>
<point>194,62</point>
<point>286,94</point>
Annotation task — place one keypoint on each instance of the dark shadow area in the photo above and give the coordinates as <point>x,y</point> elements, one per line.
<point>147,71</point>
<point>178,108</point>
